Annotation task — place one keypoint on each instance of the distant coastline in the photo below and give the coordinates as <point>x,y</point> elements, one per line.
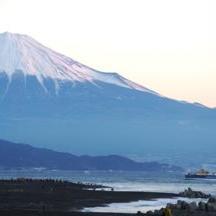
<point>18,156</point>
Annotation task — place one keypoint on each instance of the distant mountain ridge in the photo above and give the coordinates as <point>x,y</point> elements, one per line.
<point>13,155</point>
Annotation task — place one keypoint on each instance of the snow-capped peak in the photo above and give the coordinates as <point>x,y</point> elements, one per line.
<point>22,53</point>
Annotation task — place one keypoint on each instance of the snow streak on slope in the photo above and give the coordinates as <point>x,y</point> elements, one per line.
<point>20,53</point>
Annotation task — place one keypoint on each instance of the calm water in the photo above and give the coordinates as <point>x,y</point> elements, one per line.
<point>121,180</point>
<point>141,205</point>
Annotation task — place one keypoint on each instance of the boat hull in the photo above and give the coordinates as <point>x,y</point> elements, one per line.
<point>191,176</point>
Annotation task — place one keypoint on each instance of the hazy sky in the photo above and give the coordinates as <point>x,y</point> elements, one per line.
<point>166,45</point>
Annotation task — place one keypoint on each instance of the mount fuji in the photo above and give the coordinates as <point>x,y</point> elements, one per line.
<point>50,100</point>
<point>22,54</point>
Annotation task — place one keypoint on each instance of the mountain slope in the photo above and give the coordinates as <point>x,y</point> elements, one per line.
<point>14,155</point>
<point>22,54</point>
<point>52,101</point>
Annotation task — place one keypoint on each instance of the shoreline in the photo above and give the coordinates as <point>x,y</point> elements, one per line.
<point>49,197</point>
<point>57,213</point>
<point>36,196</point>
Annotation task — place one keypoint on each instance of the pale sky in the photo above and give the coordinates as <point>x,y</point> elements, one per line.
<point>166,45</point>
